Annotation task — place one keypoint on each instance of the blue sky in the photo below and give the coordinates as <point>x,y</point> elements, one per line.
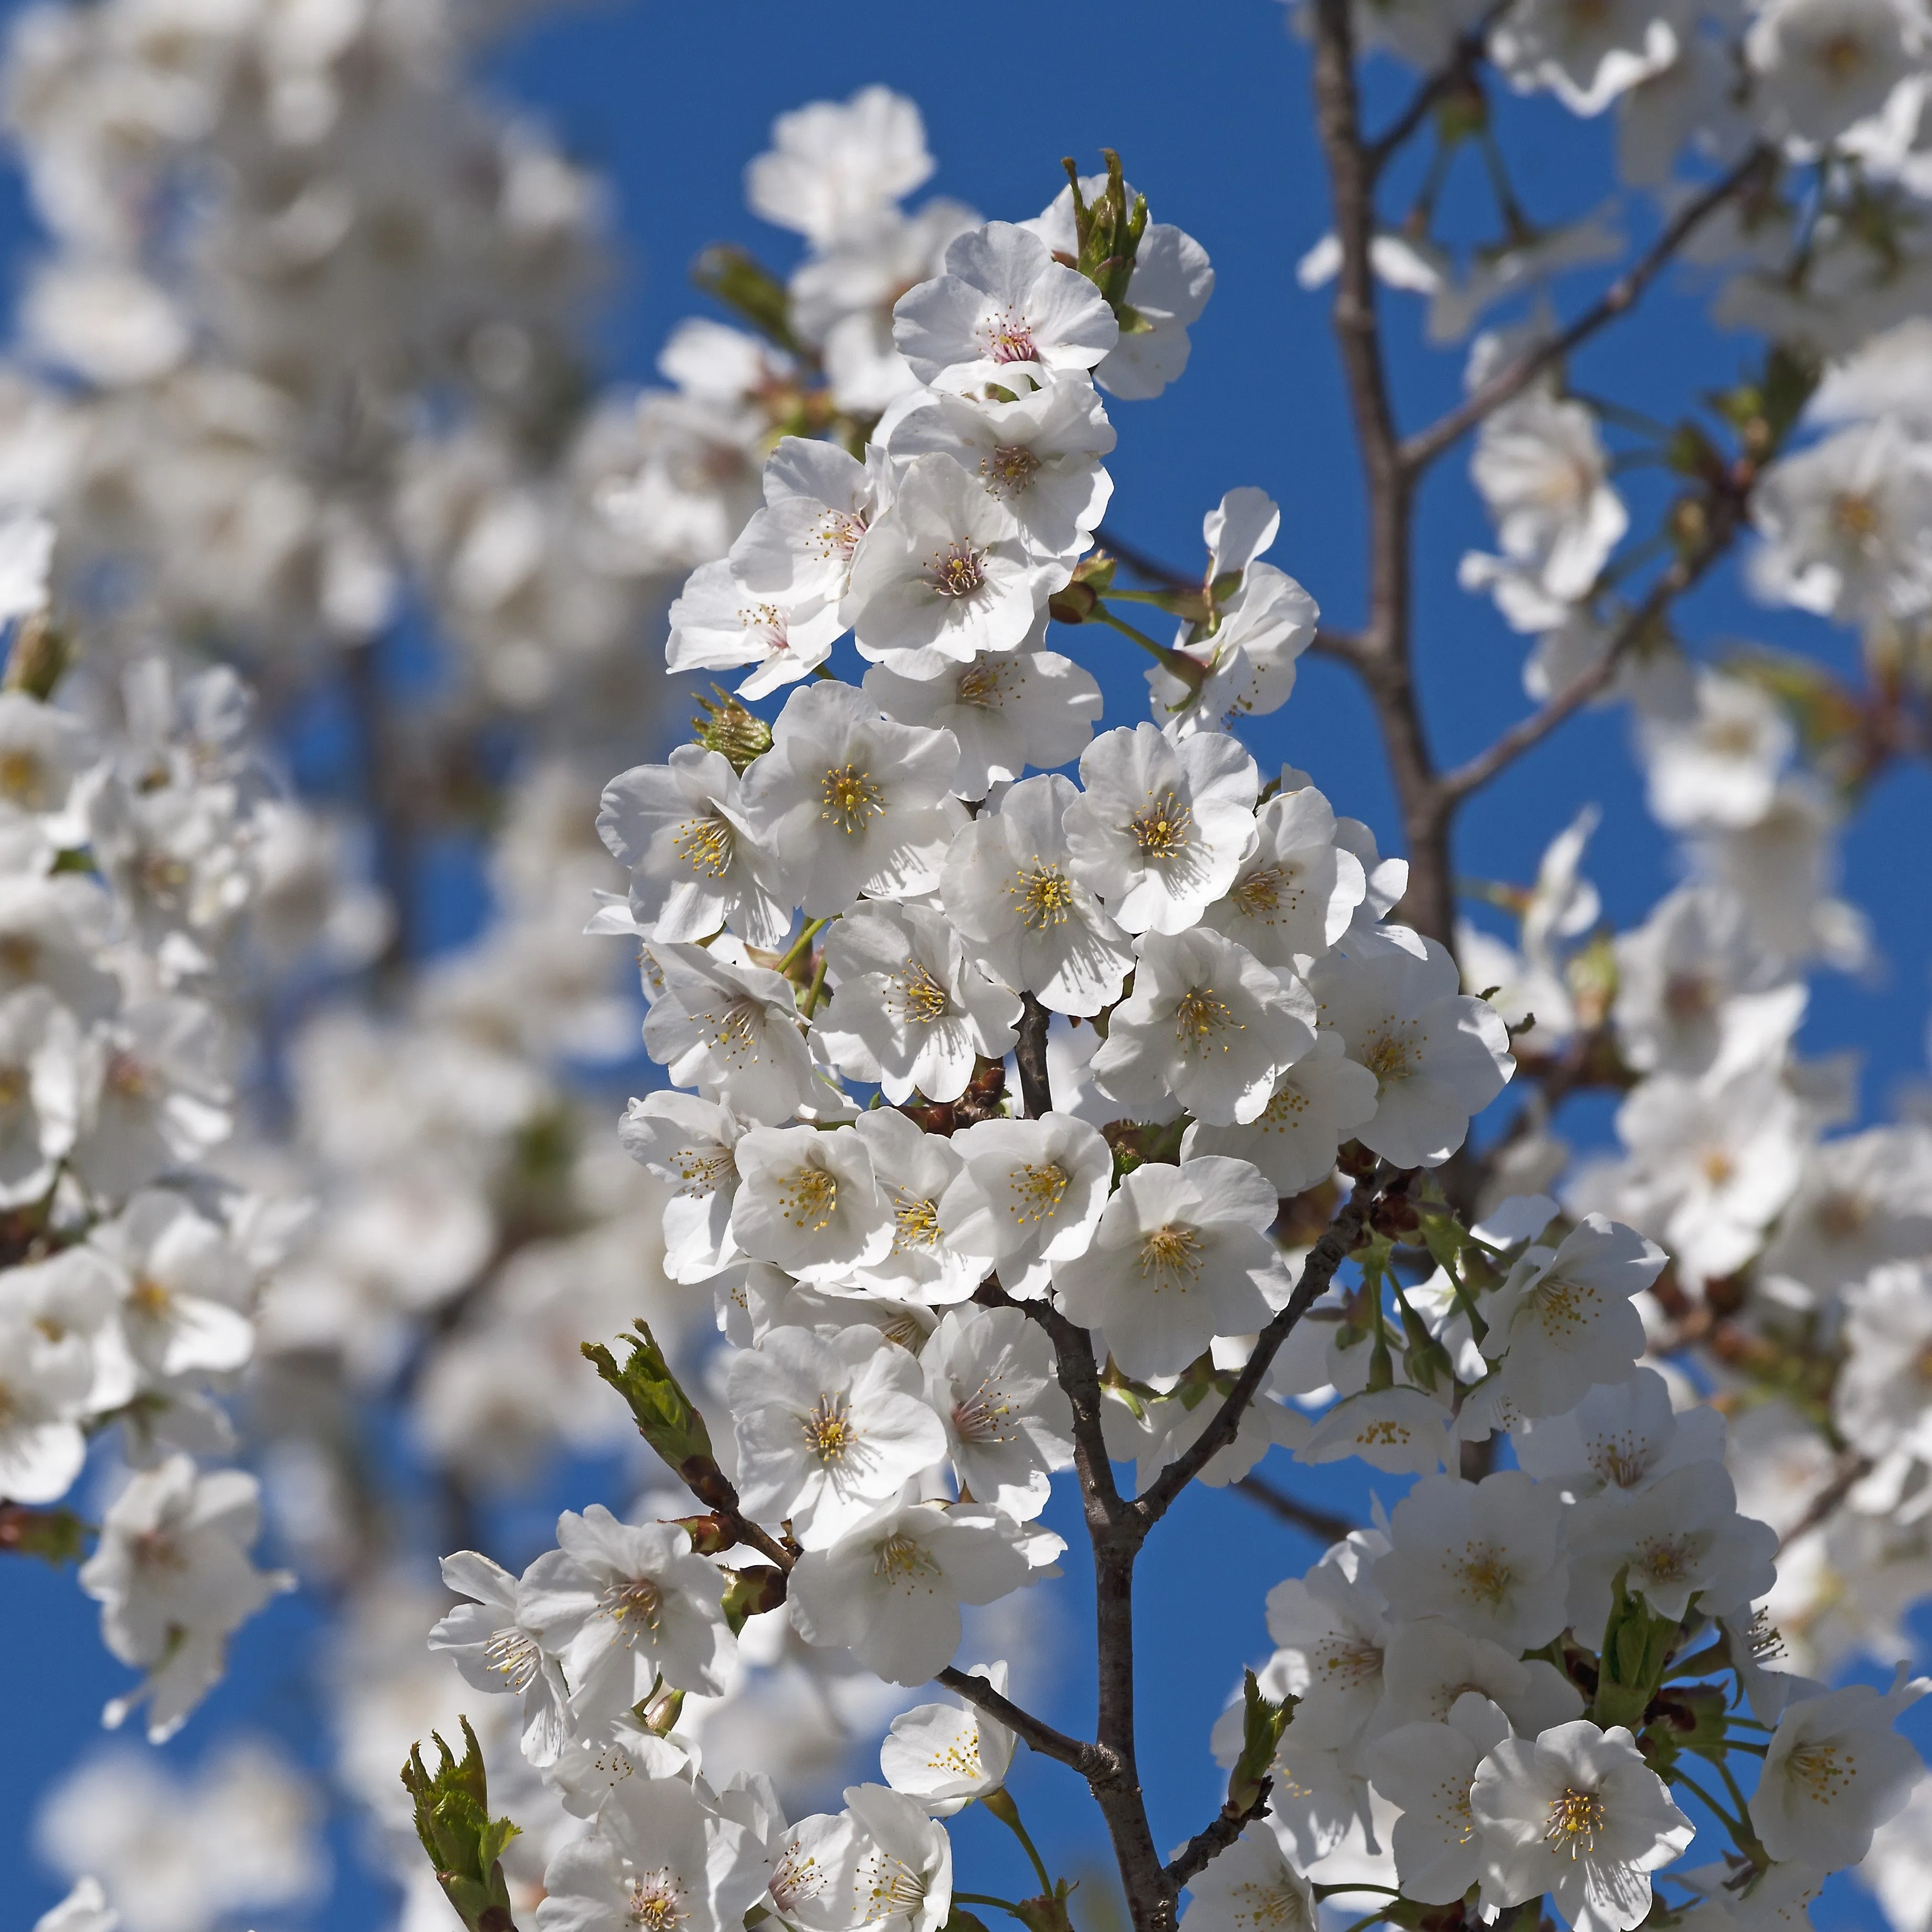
<point>1208,105</point>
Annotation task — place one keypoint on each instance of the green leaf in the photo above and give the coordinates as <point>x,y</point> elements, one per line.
<point>1263,1721</point>
<point>464,1843</point>
<point>665,1415</point>
<point>55,1536</point>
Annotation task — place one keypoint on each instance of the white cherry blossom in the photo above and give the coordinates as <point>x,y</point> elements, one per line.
<point>990,1376</point>
<point>1031,1194</point>
<point>947,1755</point>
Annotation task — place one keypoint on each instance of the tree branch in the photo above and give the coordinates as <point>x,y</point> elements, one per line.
<point>1471,776</point>
<point>1084,1758</point>
<point>1320,1524</point>
<point>1421,449</point>
<point>1205,1847</point>
<point>1344,1235</point>
<point>1455,72</point>
<point>1852,1469</point>
<point>1030,1056</point>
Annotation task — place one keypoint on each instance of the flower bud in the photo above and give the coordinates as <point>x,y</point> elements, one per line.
<point>464,1842</point>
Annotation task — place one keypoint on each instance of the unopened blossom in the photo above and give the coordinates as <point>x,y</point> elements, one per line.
<point>1160,830</point>
<point>909,1010</point>
<point>1836,1770</point>
<point>622,1605</point>
<point>172,1575</point>
<point>720,624</point>
<point>1428,1770</point>
<point>1038,455</point>
<point>1004,311</point>
<point>890,1588</point>
<point>947,1755</point>
<point>1207,1028</point>
<point>829,1428</point>
<point>1010,887</point>
<point>1009,709</point>
<point>1575,1813</point>
<point>496,1651</point>
<point>1295,894</point>
<point>1251,1887</point>
<point>991,1379</point>
<point>1562,1319</point>
<point>678,828</point>
<point>946,574</point>
<point>1029,1196</point>
<point>1323,1098</point>
<point>731,1029</point>
<point>657,1856</point>
<point>808,1201</point>
<point>1680,1537</point>
<point>690,1143</point>
<point>1169,287</point>
<point>1181,1255</point>
<point>913,1170</point>
<point>1484,1555</point>
<point>846,803</point>
<point>1437,1055</point>
<point>1718,764</point>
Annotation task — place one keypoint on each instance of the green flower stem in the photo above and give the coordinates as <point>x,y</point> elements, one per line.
<point>1000,1804</point>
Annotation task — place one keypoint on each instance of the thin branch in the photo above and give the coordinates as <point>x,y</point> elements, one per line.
<point>1455,72</point>
<point>1344,1235</point>
<point>1422,448</point>
<point>1457,785</point>
<point>1202,1850</point>
<point>1852,1469</point>
<point>1323,1526</point>
<point>1030,1056</point>
<point>1086,1759</point>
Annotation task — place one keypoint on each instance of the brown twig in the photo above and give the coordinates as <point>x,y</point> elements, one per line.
<point>1323,1525</point>
<point>1202,1850</point>
<point>1457,71</point>
<point>1030,1056</point>
<point>1422,448</point>
<point>1084,1757</point>
<point>1851,1470</point>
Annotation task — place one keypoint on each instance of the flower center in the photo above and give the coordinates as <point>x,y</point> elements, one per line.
<point>1842,1214</point>
<point>925,1000</point>
<point>701,1173</point>
<point>982,1417</point>
<point>706,845</point>
<point>839,532</point>
<point>1562,1306</point>
<point>979,686</point>
<point>850,798</point>
<point>1390,1055</point>
<point>1575,1819</point>
<point>127,1079</point>
<point>1486,1573</point>
<point>20,777</point>
<point>958,570</point>
<point>1172,1256</point>
<point>1260,893</point>
<point>766,623</point>
<point>737,1030</point>
<point>13,1084</point>
<point>634,1605</point>
<point>918,1222</point>
<point>1045,896</point>
<point>1009,469</point>
<point>654,1901</point>
<point>1161,830</point>
<point>1037,1192</point>
<point>1009,339</point>
<point>809,1198</point>
<point>1842,55</point>
<point>148,1297</point>
<point>1669,1559</point>
<point>899,1560</point>
<point>513,1654</point>
<point>1689,996</point>
<point>1200,1017</point>
<point>829,1433</point>
<point>1821,1770</point>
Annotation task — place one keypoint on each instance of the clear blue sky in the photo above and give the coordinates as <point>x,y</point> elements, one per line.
<point>1208,105</point>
